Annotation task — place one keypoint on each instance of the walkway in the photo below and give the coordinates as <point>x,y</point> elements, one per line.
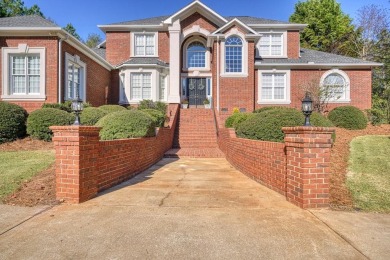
<point>179,209</point>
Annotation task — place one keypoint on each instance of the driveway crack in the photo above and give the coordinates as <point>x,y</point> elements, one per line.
<point>175,187</point>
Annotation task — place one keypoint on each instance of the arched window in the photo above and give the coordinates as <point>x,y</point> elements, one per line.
<point>233,54</point>
<point>196,55</point>
<point>335,86</point>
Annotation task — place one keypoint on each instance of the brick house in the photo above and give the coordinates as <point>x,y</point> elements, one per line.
<point>195,54</point>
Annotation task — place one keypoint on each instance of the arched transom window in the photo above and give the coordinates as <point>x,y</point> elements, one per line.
<point>335,87</point>
<point>233,54</point>
<point>196,55</point>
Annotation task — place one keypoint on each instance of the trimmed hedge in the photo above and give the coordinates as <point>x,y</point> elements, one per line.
<point>39,121</point>
<point>150,104</point>
<point>235,119</point>
<point>126,124</point>
<point>348,117</point>
<point>91,115</point>
<point>66,106</point>
<point>156,115</point>
<point>112,108</point>
<point>267,125</point>
<point>260,110</point>
<point>12,122</point>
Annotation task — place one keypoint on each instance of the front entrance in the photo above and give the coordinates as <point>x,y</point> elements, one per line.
<point>197,91</point>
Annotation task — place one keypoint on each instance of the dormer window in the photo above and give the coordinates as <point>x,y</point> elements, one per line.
<point>271,44</point>
<point>144,45</point>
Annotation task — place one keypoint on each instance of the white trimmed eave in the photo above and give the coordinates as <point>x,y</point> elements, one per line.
<point>237,22</point>
<point>141,66</point>
<point>71,40</point>
<point>123,28</point>
<point>196,6</point>
<point>319,65</point>
<point>299,27</point>
<point>29,31</point>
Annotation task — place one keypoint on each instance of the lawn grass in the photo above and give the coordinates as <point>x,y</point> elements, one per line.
<point>369,173</point>
<point>18,166</point>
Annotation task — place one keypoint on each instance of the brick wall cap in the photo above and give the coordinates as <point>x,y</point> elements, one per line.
<point>308,129</point>
<point>73,128</point>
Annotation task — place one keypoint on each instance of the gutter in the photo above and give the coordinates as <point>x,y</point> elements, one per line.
<point>319,65</point>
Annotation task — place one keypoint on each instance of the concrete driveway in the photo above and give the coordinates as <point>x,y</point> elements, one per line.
<point>180,209</point>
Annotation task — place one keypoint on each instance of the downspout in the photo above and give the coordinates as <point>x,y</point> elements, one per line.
<point>218,72</point>
<point>60,68</point>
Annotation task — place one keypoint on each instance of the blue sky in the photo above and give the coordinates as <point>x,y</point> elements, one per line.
<point>85,15</point>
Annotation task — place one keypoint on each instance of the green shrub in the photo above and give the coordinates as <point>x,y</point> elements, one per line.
<point>235,119</point>
<point>375,116</point>
<point>91,115</point>
<point>39,121</point>
<point>156,115</point>
<point>126,124</point>
<point>267,125</point>
<point>112,108</point>
<point>260,110</point>
<point>348,117</point>
<point>12,122</point>
<point>317,119</point>
<point>66,106</point>
<point>150,104</point>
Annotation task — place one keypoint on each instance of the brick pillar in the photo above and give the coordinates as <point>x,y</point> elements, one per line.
<point>308,165</point>
<point>76,162</point>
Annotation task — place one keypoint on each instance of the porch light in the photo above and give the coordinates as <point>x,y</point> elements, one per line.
<point>307,108</point>
<point>77,107</point>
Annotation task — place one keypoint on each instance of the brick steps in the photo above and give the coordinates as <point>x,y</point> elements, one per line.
<point>195,135</point>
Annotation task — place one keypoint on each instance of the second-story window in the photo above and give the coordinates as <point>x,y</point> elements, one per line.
<point>233,54</point>
<point>271,44</point>
<point>196,55</point>
<point>144,45</point>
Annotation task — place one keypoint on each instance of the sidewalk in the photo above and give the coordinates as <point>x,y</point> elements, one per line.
<point>188,209</point>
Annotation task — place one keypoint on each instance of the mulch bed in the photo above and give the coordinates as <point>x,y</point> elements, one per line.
<point>340,197</point>
<point>40,190</point>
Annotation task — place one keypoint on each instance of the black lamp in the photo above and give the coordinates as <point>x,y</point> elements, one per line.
<point>307,108</point>
<point>77,107</point>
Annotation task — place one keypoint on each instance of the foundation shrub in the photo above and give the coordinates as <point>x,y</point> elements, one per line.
<point>150,104</point>
<point>348,117</point>
<point>260,110</point>
<point>91,115</point>
<point>66,106</point>
<point>112,108</point>
<point>157,116</point>
<point>375,116</point>
<point>126,124</point>
<point>236,118</point>
<point>12,122</point>
<point>39,121</point>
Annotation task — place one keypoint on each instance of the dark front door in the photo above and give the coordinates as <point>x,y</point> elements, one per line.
<point>196,91</point>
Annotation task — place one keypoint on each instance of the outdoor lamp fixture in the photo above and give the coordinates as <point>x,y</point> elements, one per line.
<point>77,107</point>
<point>307,108</point>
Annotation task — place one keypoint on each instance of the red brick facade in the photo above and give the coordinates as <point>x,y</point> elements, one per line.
<point>293,44</point>
<point>117,47</point>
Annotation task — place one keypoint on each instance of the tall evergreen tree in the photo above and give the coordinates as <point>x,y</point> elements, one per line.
<point>10,8</point>
<point>328,27</point>
<point>72,31</point>
<point>93,40</point>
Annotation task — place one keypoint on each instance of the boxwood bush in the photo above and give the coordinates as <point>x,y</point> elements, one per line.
<point>112,108</point>
<point>66,106</point>
<point>348,117</point>
<point>12,122</point>
<point>157,116</point>
<point>39,121</point>
<point>126,124</point>
<point>267,125</point>
<point>150,104</point>
<point>235,119</point>
<point>91,115</point>
<point>260,110</point>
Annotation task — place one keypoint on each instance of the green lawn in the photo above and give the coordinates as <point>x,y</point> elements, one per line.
<point>369,177</point>
<point>17,166</point>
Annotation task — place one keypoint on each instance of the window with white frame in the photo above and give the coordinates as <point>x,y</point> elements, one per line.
<point>233,54</point>
<point>335,86</point>
<point>75,74</point>
<point>271,44</point>
<point>144,45</point>
<point>162,87</point>
<point>23,72</point>
<point>141,86</point>
<point>273,86</point>
<point>196,55</point>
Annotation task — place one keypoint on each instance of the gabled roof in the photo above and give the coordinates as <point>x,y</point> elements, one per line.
<point>147,21</point>
<point>30,21</point>
<point>310,58</point>
<point>248,20</point>
<point>238,22</point>
<point>140,61</point>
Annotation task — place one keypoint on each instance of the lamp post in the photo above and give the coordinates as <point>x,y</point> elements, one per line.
<point>77,107</point>
<point>307,108</point>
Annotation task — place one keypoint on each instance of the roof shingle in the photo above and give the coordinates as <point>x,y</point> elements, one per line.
<point>26,21</point>
<point>145,61</point>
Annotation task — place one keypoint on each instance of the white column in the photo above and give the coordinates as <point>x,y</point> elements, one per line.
<point>174,62</point>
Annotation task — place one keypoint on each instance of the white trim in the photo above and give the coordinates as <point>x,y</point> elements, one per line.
<point>83,74</point>
<point>347,98</point>
<point>244,72</point>
<point>132,44</point>
<point>284,45</point>
<point>299,27</point>
<point>207,55</point>
<point>235,21</point>
<point>6,73</point>
<point>195,29</point>
<point>287,93</point>
<point>313,65</point>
